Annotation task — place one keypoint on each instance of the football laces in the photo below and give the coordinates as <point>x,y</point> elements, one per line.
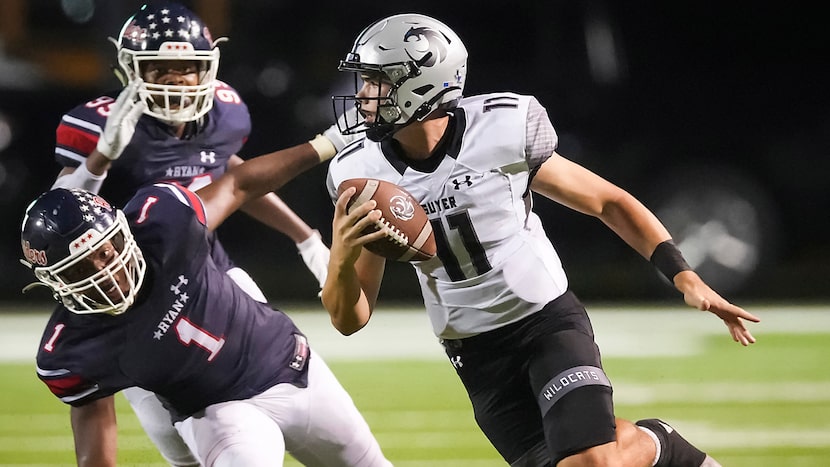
<point>393,234</point>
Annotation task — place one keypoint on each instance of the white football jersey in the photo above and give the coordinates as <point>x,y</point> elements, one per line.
<point>495,265</point>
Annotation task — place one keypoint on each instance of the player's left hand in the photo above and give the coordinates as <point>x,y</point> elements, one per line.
<point>121,122</point>
<point>698,294</point>
<point>315,254</point>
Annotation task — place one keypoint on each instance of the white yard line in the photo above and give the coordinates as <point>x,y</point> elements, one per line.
<point>396,333</point>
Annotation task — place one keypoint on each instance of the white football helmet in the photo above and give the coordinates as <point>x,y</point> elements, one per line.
<point>422,58</point>
<point>169,31</point>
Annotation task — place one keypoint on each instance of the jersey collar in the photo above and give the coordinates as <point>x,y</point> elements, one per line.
<point>449,146</point>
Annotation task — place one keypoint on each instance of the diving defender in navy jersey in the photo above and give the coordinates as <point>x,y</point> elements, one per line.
<point>180,336</point>
<point>143,303</point>
<point>173,122</point>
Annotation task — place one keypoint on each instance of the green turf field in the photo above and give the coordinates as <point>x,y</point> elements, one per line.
<point>768,405</point>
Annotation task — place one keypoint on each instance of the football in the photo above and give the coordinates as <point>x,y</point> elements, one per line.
<point>409,234</point>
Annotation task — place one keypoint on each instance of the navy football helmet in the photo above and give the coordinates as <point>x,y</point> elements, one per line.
<point>424,61</point>
<point>169,31</point>
<point>61,231</point>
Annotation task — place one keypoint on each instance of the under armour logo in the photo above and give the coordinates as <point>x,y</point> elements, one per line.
<point>175,288</point>
<point>456,361</point>
<point>208,157</point>
<point>466,181</point>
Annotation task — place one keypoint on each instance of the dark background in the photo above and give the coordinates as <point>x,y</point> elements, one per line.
<point>716,116</point>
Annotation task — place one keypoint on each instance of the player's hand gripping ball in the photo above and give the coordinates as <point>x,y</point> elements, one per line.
<point>409,234</point>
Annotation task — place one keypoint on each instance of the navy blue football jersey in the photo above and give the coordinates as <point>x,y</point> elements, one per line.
<point>193,337</point>
<point>155,154</point>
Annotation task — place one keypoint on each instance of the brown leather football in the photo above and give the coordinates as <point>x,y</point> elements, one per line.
<point>409,234</point>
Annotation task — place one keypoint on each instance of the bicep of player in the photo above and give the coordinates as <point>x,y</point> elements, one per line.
<point>574,186</point>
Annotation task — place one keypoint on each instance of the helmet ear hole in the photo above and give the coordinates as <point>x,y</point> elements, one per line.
<point>390,114</point>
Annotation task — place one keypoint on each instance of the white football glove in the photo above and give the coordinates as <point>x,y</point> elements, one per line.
<point>338,139</point>
<point>120,126</point>
<point>315,254</point>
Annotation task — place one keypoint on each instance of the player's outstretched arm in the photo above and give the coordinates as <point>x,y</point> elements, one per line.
<point>95,431</point>
<point>253,179</point>
<point>699,295</point>
<point>272,211</point>
<point>580,189</point>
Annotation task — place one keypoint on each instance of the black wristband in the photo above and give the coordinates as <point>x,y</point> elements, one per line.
<point>668,259</point>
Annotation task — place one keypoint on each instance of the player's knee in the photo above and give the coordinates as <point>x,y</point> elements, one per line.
<point>234,434</point>
<point>581,420</point>
<point>157,424</point>
<point>631,447</point>
<point>537,456</point>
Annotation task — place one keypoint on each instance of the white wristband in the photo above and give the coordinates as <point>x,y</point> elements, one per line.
<point>81,178</point>
<point>324,147</point>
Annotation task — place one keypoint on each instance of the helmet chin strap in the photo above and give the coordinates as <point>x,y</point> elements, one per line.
<point>36,284</point>
<point>426,108</point>
<point>382,131</point>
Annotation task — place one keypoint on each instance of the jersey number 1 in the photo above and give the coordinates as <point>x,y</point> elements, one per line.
<point>189,333</point>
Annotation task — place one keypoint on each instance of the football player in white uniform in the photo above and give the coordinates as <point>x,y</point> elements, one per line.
<point>496,293</point>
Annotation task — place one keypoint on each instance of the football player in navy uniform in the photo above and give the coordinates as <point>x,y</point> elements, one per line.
<point>496,292</point>
<point>175,122</point>
<point>143,302</point>
<point>192,129</point>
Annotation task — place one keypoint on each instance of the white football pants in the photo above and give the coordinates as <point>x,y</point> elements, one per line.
<point>155,419</point>
<point>319,425</point>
